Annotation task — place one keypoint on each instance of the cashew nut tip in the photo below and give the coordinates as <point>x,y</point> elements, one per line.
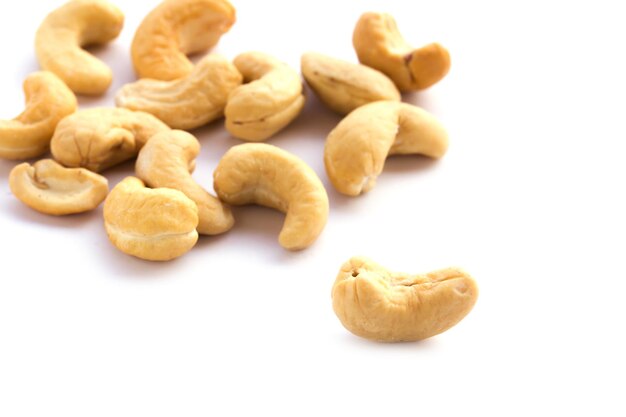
<point>271,100</point>
<point>50,188</point>
<point>189,102</point>
<point>257,173</point>
<point>152,224</point>
<point>167,160</point>
<point>344,86</point>
<point>66,30</point>
<point>385,306</point>
<point>175,29</point>
<point>356,150</point>
<point>379,44</point>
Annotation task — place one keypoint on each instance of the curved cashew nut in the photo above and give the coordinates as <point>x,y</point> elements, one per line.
<point>100,138</point>
<point>257,173</point>
<point>376,304</point>
<point>175,29</point>
<point>62,34</point>
<point>166,161</point>
<point>48,100</point>
<point>269,102</point>
<point>53,189</point>
<point>153,224</point>
<point>344,86</point>
<point>357,148</point>
<point>189,102</point>
<point>379,44</point>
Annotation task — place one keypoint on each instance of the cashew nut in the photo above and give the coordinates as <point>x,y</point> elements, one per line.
<point>344,86</point>
<point>100,138</point>
<point>376,304</point>
<point>357,148</point>
<point>166,161</point>
<point>153,224</point>
<point>379,44</point>
<point>48,100</point>
<point>66,30</point>
<point>189,102</point>
<point>257,173</point>
<point>271,100</point>
<point>175,29</point>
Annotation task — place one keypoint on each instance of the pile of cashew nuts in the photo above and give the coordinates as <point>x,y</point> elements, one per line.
<point>158,214</point>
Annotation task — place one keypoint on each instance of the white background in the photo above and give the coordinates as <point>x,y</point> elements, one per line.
<point>529,200</point>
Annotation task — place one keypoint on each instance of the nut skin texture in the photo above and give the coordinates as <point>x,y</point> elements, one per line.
<point>379,44</point>
<point>152,224</point>
<point>48,100</point>
<point>66,30</point>
<point>356,150</point>
<point>344,86</point>
<point>50,188</point>
<point>270,101</point>
<point>384,306</point>
<point>175,29</point>
<point>167,160</point>
<point>100,138</point>
<point>258,173</point>
<point>189,102</point>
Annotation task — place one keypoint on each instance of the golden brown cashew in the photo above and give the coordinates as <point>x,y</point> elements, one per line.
<point>66,30</point>
<point>257,173</point>
<point>100,138</point>
<point>53,189</point>
<point>357,148</point>
<point>189,102</point>
<point>175,29</point>
<point>269,102</point>
<point>376,304</point>
<point>379,44</point>
<point>167,160</point>
<point>48,100</point>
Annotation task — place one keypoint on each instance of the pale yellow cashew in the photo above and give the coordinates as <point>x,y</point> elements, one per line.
<point>66,30</point>
<point>357,148</point>
<point>376,304</point>
<point>175,29</point>
<point>48,100</point>
<point>257,173</point>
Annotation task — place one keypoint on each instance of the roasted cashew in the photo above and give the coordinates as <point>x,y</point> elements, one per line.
<point>175,29</point>
<point>153,224</point>
<point>100,138</point>
<point>48,100</point>
<point>257,173</point>
<point>66,30</point>
<point>357,148</point>
<point>379,44</point>
<point>269,102</point>
<point>344,86</point>
<point>167,160</point>
<point>189,102</point>
<point>376,304</point>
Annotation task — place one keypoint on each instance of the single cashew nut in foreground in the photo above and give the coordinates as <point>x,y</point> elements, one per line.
<point>175,29</point>
<point>66,30</point>
<point>50,188</point>
<point>167,160</point>
<point>376,304</point>
<point>269,102</point>
<point>100,138</point>
<point>48,100</point>
<point>379,44</point>
<point>357,148</point>
<point>189,102</point>
<point>344,86</point>
<point>153,224</point>
<point>257,173</point>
